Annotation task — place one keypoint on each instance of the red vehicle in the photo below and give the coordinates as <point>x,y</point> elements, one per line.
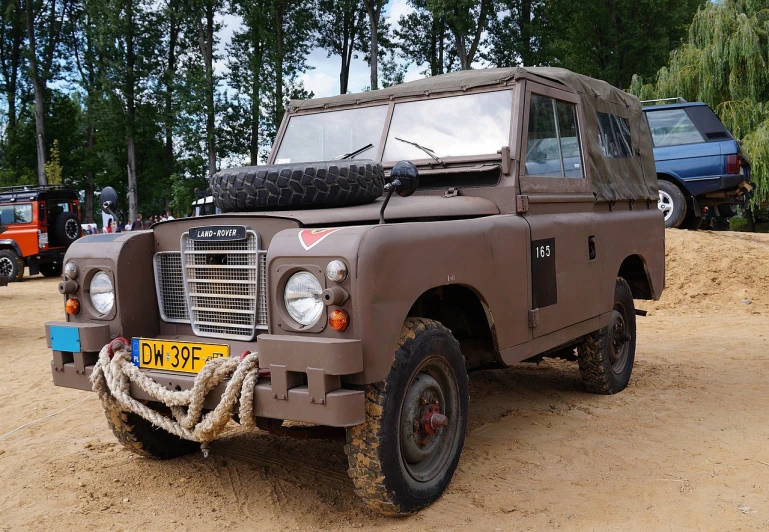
<point>41,222</point>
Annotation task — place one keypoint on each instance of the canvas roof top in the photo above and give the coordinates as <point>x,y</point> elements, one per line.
<point>613,179</point>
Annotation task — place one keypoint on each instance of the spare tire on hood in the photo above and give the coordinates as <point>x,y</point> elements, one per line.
<point>297,185</point>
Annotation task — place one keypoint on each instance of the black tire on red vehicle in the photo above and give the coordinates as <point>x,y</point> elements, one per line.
<point>287,186</point>
<point>11,265</point>
<point>66,229</point>
<point>50,270</point>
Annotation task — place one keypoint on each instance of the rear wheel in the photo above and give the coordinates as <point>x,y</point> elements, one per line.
<point>672,204</point>
<point>11,265</point>
<point>141,437</point>
<point>606,356</point>
<point>50,270</point>
<point>404,455</point>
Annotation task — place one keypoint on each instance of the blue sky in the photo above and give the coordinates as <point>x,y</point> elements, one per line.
<point>323,78</point>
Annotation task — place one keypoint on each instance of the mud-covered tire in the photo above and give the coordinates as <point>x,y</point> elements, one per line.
<point>11,265</point>
<point>50,270</point>
<point>606,356</point>
<point>141,437</point>
<point>287,186</point>
<point>66,229</point>
<point>397,470</point>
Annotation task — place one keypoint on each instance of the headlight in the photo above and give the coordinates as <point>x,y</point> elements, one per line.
<point>302,298</point>
<point>102,293</point>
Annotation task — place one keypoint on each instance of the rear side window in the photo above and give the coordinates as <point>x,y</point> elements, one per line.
<point>614,136</point>
<point>672,127</point>
<point>16,214</point>
<point>553,148</point>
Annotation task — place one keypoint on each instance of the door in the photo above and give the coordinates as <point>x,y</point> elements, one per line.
<point>563,253</point>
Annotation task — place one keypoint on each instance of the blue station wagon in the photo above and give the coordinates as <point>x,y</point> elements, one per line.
<point>699,163</point>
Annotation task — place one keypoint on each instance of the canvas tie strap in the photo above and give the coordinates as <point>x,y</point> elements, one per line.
<point>114,372</point>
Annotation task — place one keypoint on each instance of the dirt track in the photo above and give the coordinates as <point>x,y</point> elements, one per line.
<point>685,446</point>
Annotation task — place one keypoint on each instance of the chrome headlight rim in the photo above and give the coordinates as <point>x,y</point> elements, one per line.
<point>303,289</point>
<point>336,271</point>
<point>101,293</point>
<point>71,270</point>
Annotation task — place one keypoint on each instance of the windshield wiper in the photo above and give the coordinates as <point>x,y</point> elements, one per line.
<point>352,153</point>
<point>428,151</point>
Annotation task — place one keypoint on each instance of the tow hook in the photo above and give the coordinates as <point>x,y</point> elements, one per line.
<point>117,343</point>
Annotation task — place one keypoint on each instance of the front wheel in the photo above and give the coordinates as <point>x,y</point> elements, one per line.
<point>11,265</point>
<point>404,455</point>
<point>606,356</point>
<point>143,438</point>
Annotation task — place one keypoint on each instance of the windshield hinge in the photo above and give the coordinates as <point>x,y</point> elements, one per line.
<point>533,318</point>
<point>451,192</point>
<point>521,204</point>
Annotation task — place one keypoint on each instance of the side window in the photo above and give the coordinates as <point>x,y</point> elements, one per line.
<point>552,148</point>
<point>672,127</point>
<point>16,214</point>
<point>614,136</point>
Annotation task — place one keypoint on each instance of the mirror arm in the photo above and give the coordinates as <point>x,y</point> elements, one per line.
<point>389,188</point>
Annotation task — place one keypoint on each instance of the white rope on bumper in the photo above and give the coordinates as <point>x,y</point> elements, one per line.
<point>112,378</point>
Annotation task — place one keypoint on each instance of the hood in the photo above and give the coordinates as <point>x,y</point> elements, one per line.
<point>412,208</point>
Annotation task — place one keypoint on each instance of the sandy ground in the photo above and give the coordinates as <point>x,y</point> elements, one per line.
<point>686,446</point>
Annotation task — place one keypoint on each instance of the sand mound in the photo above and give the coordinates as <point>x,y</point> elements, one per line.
<point>711,272</point>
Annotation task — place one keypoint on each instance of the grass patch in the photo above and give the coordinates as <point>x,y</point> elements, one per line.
<point>741,224</point>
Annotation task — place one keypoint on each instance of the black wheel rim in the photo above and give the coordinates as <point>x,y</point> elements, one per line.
<point>620,338</point>
<point>429,420</point>
<point>6,267</point>
<point>70,229</point>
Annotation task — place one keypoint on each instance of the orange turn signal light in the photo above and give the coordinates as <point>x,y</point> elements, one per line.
<point>339,319</point>
<point>72,306</point>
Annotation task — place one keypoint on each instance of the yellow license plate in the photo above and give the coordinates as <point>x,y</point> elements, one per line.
<point>185,357</point>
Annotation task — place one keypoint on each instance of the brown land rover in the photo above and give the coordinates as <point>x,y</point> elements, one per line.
<point>532,227</point>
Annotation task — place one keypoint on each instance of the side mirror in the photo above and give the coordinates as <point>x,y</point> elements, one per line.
<point>109,200</point>
<point>404,177</point>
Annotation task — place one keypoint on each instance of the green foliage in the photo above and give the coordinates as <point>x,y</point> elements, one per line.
<point>53,168</point>
<point>725,63</point>
<point>613,39</point>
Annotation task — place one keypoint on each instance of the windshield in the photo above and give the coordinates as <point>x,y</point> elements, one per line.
<point>329,135</point>
<point>472,124</point>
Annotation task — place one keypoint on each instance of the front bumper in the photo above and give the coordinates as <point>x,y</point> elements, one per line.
<point>305,373</point>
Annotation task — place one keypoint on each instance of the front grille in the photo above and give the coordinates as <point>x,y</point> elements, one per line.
<point>219,287</point>
<point>169,285</point>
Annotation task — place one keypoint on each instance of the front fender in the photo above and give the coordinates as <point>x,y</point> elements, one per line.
<point>399,262</point>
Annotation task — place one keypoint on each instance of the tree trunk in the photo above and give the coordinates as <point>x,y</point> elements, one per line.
<point>279,64</point>
<point>131,111</point>
<point>373,18</point>
<point>89,142</point>
<point>169,95</point>
<point>524,23</point>
<point>39,89</point>
<point>750,219</point>
<point>256,89</point>
<point>211,118</point>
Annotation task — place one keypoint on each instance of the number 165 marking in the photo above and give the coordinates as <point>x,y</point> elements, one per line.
<point>543,251</point>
